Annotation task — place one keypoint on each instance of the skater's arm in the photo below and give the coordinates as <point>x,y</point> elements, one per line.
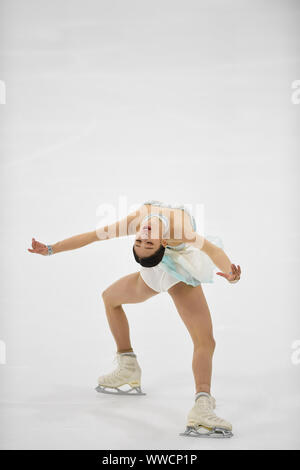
<point>120,228</point>
<point>229,271</point>
<point>217,255</point>
<point>77,241</point>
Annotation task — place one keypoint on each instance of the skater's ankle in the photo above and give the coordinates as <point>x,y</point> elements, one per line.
<point>127,353</point>
<point>203,388</point>
<point>201,394</point>
<point>122,351</point>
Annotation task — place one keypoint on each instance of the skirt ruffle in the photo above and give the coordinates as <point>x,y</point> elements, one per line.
<point>191,265</point>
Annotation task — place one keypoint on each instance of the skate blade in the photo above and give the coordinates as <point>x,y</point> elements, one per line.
<point>133,391</point>
<point>217,433</point>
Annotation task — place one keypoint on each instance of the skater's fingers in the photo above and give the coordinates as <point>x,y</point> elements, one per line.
<point>36,245</point>
<point>237,273</point>
<point>223,275</point>
<point>38,251</point>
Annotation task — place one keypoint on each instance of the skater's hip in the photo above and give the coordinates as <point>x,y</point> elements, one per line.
<point>158,279</point>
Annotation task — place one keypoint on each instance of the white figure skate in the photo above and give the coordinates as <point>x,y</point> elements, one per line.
<point>128,372</point>
<point>202,421</point>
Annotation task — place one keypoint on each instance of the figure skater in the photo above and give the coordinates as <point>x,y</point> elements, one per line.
<point>173,258</point>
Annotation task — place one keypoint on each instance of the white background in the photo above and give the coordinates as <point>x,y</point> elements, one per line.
<point>184,101</point>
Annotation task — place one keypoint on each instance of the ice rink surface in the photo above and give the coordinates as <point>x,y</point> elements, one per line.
<point>189,102</point>
<point>73,417</point>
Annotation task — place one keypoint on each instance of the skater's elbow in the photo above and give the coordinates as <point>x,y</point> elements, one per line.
<point>210,248</point>
<point>198,241</point>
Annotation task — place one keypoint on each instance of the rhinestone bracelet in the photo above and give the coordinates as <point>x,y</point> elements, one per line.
<point>50,250</point>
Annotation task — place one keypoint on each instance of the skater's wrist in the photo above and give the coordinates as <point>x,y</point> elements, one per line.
<point>50,250</point>
<point>55,248</point>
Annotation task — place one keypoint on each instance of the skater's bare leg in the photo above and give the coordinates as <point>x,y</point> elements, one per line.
<point>193,309</point>
<point>129,289</point>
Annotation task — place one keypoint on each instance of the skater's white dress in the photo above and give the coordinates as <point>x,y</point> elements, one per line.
<point>181,263</point>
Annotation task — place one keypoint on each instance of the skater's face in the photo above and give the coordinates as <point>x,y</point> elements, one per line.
<point>149,238</point>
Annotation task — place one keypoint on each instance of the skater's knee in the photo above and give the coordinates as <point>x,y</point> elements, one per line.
<point>213,344</point>
<point>108,297</point>
<point>207,344</point>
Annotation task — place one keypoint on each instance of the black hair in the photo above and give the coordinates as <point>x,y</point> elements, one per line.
<point>152,260</point>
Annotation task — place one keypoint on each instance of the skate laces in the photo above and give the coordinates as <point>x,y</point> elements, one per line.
<point>120,367</point>
<point>206,405</point>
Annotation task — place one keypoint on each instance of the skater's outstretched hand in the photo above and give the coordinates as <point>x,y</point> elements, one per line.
<point>234,275</point>
<point>38,248</point>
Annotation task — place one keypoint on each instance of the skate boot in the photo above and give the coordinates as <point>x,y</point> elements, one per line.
<point>202,421</point>
<point>127,373</point>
